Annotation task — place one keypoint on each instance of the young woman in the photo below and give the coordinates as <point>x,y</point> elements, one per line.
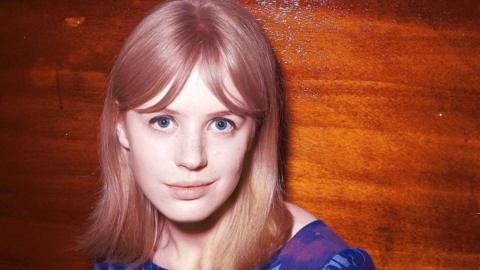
<point>189,152</point>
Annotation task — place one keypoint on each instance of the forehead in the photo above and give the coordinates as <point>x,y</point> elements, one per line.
<point>196,95</point>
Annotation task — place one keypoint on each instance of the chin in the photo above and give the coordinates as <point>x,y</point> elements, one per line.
<point>188,215</point>
<point>187,219</point>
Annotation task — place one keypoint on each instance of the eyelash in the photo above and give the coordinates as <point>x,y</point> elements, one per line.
<point>155,120</point>
<point>230,122</point>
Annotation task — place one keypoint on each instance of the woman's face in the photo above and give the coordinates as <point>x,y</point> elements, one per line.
<point>187,158</point>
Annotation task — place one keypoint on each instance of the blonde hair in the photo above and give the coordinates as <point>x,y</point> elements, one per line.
<point>224,40</point>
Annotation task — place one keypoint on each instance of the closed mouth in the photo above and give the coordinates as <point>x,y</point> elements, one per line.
<point>189,191</point>
<point>190,185</point>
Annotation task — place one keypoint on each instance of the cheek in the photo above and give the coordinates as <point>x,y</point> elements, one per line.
<point>228,156</point>
<point>149,157</point>
<point>228,151</point>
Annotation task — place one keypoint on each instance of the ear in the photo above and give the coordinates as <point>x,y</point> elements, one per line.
<point>122,133</point>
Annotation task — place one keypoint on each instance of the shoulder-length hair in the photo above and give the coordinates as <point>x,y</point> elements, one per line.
<point>225,41</point>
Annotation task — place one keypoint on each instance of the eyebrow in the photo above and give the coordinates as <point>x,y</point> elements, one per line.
<point>210,115</point>
<point>223,113</point>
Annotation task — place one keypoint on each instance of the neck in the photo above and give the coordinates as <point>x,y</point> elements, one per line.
<point>183,245</point>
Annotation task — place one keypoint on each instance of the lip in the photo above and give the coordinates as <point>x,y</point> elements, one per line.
<point>189,191</point>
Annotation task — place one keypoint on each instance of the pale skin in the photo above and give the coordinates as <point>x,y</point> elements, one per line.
<point>187,159</point>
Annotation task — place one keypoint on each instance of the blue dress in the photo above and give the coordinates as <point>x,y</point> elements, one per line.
<point>314,247</point>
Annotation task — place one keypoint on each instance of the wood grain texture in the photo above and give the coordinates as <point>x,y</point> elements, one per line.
<point>383,103</point>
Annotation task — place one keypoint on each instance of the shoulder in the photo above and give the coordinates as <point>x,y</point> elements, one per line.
<point>308,231</point>
<point>314,245</point>
<point>301,217</point>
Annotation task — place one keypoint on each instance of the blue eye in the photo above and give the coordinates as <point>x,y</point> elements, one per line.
<point>161,122</point>
<point>222,124</point>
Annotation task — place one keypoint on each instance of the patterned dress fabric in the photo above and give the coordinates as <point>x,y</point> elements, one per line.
<point>314,247</point>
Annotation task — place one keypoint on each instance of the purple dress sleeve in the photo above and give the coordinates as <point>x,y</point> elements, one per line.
<point>317,247</point>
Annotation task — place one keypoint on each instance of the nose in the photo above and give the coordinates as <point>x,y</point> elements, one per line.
<point>190,152</point>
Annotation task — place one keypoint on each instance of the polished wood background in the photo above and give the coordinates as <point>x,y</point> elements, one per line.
<point>383,100</point>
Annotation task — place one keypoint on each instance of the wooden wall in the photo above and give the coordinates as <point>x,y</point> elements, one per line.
<point>383,100</point>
